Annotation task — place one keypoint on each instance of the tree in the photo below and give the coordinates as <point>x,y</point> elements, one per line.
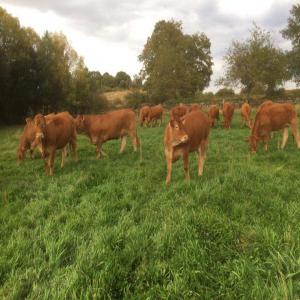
<point>292,33</point>
<point>175,65</point>
<point>255,64</point>
<point>224,92</point>
<point>108,81</point>
<point>123,80</point>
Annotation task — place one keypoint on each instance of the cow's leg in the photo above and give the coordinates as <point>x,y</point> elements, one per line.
<point>31,153</point>
<point>294,127</point>
<point>186,165</point>
<point>73,146</point>
<point>123,143</point>
<point>201,156</point>
<point>266,141</point>
<point>285,135</point>
<point>98,153</point>
<point>160,121</point>
<point>168,155</point>
<point>51,161</point>
<point>64,153</point>
<point>134,140</point>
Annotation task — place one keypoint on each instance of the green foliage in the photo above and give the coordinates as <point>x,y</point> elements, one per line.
<point>292,32</point>
<point>45,74</point>
<point>255,64</point>
<point>122,80</point>
<point>135,99</point>
<point>111,229</point>
<point>108,81</point>
<point>224,92</point>
<point>175,65</point>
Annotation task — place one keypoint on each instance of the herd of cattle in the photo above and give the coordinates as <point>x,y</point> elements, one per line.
<point>187,130</point>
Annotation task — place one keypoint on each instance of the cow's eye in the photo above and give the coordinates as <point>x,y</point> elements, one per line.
<point>176,127</point>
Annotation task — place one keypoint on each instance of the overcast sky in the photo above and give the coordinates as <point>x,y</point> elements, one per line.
<point>110,34</point>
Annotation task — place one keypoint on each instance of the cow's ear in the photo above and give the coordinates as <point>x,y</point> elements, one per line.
<point>28,120</point>
<point>82,118</point>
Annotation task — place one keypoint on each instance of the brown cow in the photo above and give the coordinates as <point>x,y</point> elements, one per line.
<point>213,114</point>
<point>228,110</point>
<point>271,118</point>
<point>109,126</point>
<point>144,113</point>
<point>155,114</point>
<point>264,104</point>
<point>54,134</point>
<point>179,111</point>
<point>28,137</point>
<point>195,107</point>
<point>246,115</point>
<point>184,136</point>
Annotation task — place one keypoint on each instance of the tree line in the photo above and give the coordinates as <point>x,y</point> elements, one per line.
<point>45,74</point>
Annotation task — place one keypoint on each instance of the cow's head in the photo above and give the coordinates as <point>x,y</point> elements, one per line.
<point>178,134</point>
<point>39,122</point>
<point>79,122</point>
<point>24,145</point>
<point>252,140</point>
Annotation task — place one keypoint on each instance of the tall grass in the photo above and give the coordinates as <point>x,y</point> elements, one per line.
<point>111,229</point>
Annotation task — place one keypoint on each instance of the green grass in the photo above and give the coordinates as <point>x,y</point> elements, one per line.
<point>111,229</point>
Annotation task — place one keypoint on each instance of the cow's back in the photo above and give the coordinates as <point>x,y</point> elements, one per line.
<point>60,129</point>
<point>110,125</point>
<point>197,127</point>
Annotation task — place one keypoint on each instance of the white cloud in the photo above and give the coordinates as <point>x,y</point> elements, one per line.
<point>110,34</point>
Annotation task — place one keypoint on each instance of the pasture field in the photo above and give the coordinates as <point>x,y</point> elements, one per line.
<point>111,229</point>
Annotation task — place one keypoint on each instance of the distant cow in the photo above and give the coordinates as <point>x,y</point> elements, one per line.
<point>228,110</point>
<point>194,107</point>
<point>274,117</point>
<point>178,111</point>
<point>155,114</point>
<point>109,126</point>
<point>144,114</point>
<point>182,136</point>
<point>213,114</point>
<point>28,137</point>
<point>246,114</point>
<point>54,134</point>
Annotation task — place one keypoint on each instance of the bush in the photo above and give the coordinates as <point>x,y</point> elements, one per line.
<point>135,99</point>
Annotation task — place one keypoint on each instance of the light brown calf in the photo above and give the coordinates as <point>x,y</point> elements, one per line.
<point>144,114</point>
<point>246,115</point>
<point>213,114</point>
<point>184,136</point>
<point>228,110</point>
<point>109,126</point>
<point>155,114</point>
<point>274,117</point>
<point>54,134</point>
<point>179,111</point>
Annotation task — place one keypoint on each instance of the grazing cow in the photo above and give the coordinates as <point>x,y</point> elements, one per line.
<point>144,113</point>
<point>179,111</point>
<point>155,114</point>
<point>194,107</point>
<point>274,117</point>
<point>228,110</point>
<point>213,114</point>
<point>54,134</point>
<point>109,126</point>
<point>182,136</point>
<point>246,115</point>
<point>27,138</point>
<point>264,104</point>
